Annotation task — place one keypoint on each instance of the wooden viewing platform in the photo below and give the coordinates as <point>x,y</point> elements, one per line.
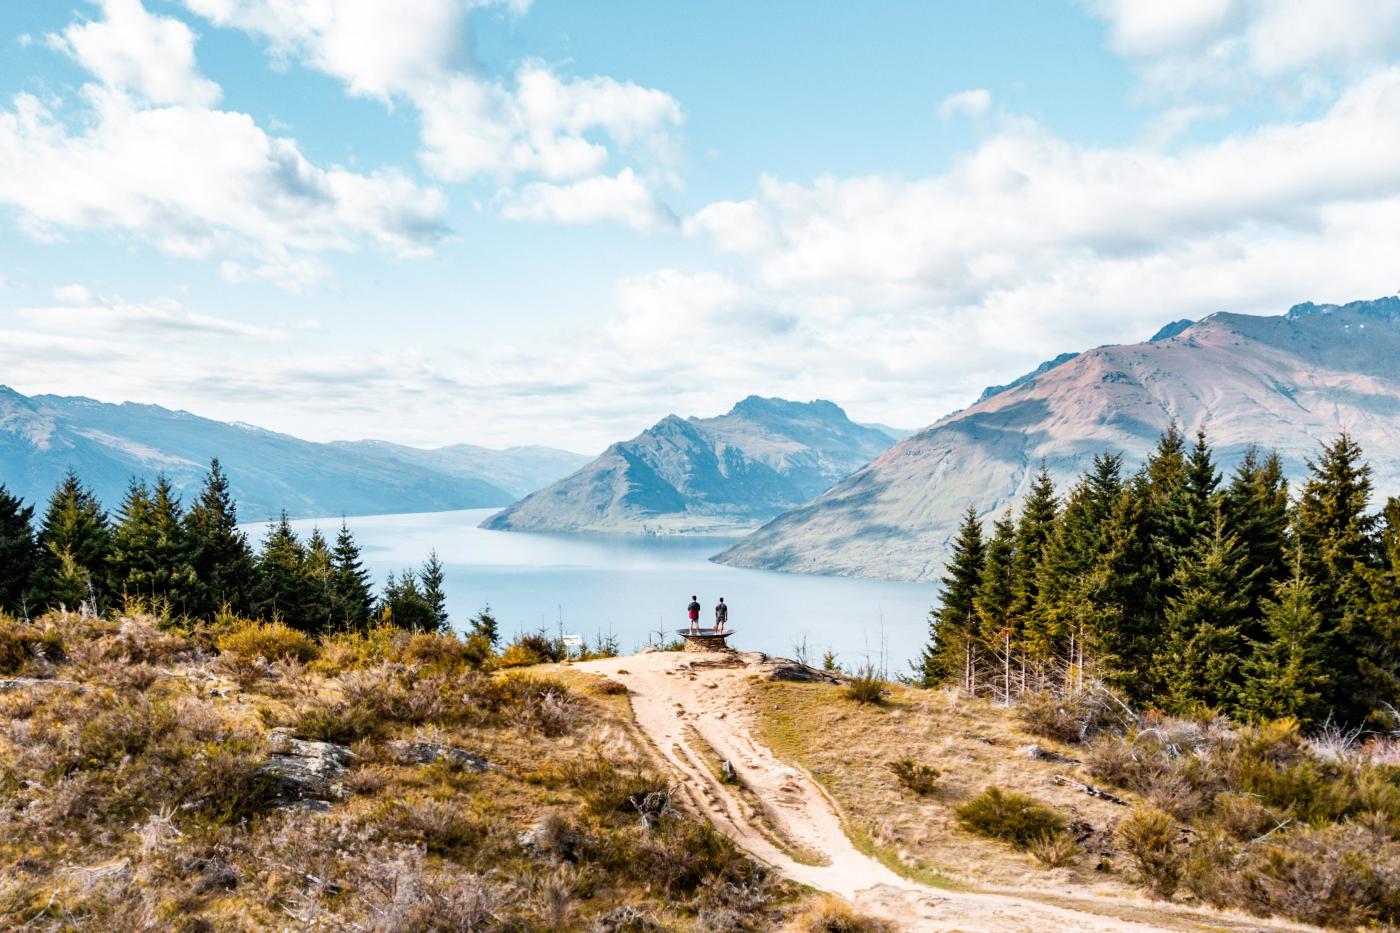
<point>705,639</point>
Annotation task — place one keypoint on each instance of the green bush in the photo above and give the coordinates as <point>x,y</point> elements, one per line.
<point>867,686</point>
<point>271,641</point>
<point>21,643</point>
<point>919,778</point>
<point>1149,836</point>
<point>1010,817</point>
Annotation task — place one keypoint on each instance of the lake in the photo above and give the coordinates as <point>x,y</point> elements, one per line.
<point>637,587</point>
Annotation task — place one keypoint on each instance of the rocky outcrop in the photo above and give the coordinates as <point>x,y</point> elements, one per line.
<point>1290,382</point>
<point>694,475</point>
<point>427,753</point>
<point>302,772</point>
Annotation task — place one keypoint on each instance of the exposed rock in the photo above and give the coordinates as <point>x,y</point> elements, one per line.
<point>1041,753</point>
<point>306,772</point>
<point>625,919</point>
<point>704,474</point>
<point>210,874</point>
<point>784,669</point>
<point>15,683</point>
<point>1290,382</point>
<point>552,838</point>
<point>426,753</point>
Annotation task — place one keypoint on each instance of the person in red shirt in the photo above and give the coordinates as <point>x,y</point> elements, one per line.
<point>694,611</point>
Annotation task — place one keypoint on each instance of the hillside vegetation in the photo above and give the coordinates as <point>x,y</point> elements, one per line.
<point>240,775</point>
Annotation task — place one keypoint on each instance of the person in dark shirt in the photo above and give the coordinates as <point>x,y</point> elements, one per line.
<point>693,610</point>
<point>721,616</point>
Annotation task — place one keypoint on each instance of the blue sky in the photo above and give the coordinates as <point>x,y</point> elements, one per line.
<point>504,221</point>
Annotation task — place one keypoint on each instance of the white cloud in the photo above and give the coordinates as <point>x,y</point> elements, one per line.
<point>973,103</point>
<point>144,157</point>
<point>623,199</point>
<point>534,123</point>
<point>132,50</point>
<point>84,314</point>
<point>198,182</point>
<point>73,294</point>
<point>1187,44</point>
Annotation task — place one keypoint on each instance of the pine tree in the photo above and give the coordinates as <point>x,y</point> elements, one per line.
<point>1200,656</point>
<point>951,626</point>
<point>432,577</point>
<point>1069,575</point>
<point>74,544</point>
<point>1286,674</point>
<point>19,554</point>
<point>1033,532</point>
<point>1381,664</point>
<point>484,625</point>
<point>1336,548</point>
<point>150,548</point>
<point>282,584</point>
<point>404,605</point>
<point>992,602</point>
<point>1256,510</point>
<point>319,573</point>
<point>353,598</point>
<point>220,556</point>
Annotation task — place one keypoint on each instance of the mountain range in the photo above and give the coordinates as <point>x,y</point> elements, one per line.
<point>1289,382</point>
<point>44,436</point>
<point>705,475</point>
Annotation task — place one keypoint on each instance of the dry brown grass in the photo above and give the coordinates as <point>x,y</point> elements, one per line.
<point>131,801</point>
<point>974,745</point>
<point>833,915</point>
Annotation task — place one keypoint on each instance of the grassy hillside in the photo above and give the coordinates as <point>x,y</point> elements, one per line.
<point>243,776</point>
<point>1256,820</point>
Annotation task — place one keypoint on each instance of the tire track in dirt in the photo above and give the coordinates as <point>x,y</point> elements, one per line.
<point>694,707</point>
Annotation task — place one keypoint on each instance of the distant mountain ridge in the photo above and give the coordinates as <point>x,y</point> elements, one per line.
<point>43,437</point>
<point>1291,382</point>
<point>705,474</point>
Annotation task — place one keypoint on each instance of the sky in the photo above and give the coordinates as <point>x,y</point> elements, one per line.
<point>550,222</point>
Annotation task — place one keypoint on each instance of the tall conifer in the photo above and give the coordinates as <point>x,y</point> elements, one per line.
<point>354,600</point>
<point>1286,674</point>
<point>74,545</point>
<point>1033,532</point>
<point>219,551</point>
<point>952,622</point>
<point>282,583</point>
<point>19,554</point>
<point>1203,649</point>
<point>1335,545</point>
<point>433,577</point>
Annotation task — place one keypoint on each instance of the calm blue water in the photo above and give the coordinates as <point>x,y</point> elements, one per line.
<point>635,587</point>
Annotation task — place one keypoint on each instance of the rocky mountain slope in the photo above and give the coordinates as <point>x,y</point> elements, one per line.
<point>43,437</point>
<point>1289,382</point>
<point>704,474</point>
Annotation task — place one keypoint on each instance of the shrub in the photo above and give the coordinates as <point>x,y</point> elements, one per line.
<point>21,643</point>
<point>608,790</point>
<point>1335,876</point>
<point>1149,836</point>
<point>1054,850</point>
<point>867,686</point>
<point>534,648</point>
<point>271,641</point>
<point>1074,718</point>
<point>341,723</point>
<point>834,915</point>
<point>1009,816</point>
<point>445,652</point>
<point>919,778</point>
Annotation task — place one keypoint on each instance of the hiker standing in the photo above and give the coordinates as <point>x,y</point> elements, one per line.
<point>721,616</point>
<point>693,610</point>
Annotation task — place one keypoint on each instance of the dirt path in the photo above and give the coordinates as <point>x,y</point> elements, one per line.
<point>696,709</point>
